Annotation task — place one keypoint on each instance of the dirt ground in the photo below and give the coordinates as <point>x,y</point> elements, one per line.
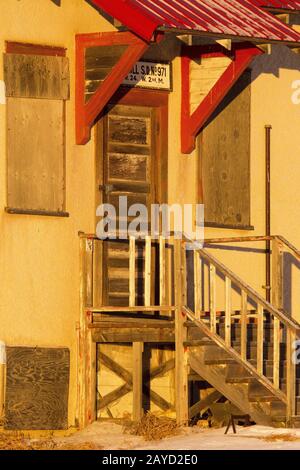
<point>110,436</point>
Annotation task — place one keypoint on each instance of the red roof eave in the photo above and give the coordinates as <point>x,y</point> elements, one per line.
<point>231,18</point>
<point>135,20</point>
<point>288,5</point>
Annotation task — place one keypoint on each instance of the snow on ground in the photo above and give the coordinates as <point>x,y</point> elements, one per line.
<point>110,436</point>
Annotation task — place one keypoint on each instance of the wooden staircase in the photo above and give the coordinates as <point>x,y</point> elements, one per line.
<point>216,365</point>
<point>245,350</point>
<point>247,355</point>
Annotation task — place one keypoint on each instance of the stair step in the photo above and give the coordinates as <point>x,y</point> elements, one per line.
<point>258,393</point>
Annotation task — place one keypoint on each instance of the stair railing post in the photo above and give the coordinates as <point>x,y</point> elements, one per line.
<point>277,301</point>
<point>181,362</point>
<point>86,356</point>
<point>290,376</point>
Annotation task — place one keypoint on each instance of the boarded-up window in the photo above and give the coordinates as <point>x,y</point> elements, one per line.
<point>37,86</point>
<point>224,147</point>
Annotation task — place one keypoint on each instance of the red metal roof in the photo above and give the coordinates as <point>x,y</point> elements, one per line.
<point>278,4</point>
<point>227,18</point>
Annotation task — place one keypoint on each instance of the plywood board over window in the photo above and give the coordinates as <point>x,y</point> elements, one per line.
<point>224,148</point>
<point>37,87</point>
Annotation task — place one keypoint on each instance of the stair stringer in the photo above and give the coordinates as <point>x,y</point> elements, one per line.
<point>237,393</point>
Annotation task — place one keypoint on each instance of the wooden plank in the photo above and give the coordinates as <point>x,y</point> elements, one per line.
<point>132,272</point>
<point>244,312</point>
<point>181,366</point>
<point>113,396</point>
<point>212,298</point>
<point>107,321</point>
<point>36,76</point>
<point>160,401</point>
<point>37,388</point>
<point>202,405</point>
<point>161,369</point>
<point>114,367</point>
<point>162,271</point>
<point>91,379</point>
<point>34,158</point>
<point>290,376</point>
<point>137,379</point>
<point>129,335</point>
<point>152,308</point>
<point>260,339</point>
<point>228,311</point>
<point>147,288</point>
<point>277,274</point>
<point>197,284</point>
<point>2,389</point>
<point>98,274</point>
<point>276,351</point>
<point>225,158</point>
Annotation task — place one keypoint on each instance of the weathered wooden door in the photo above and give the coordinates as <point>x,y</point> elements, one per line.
<point>128,164</point>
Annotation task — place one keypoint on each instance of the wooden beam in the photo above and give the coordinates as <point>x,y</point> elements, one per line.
<point>191,124</point>
<point>86,113</point>
<point>181,366</point>
<point>212,298</point>
<point>277,274</point>
<point>290,376</point>
<point>115,367</point>
<point>202,405</point>
<point>162,270</point>
<point>228,311</point>
<point>129,378</point>
<point>147,274</point>
<point>129,335</point>
<point>132,272</point>
<point>260,339</point>
<point>142,309</point>
<point>137,379</point>
<point>113,396</point>
<point>160,401</point>
<point>244,319</point>
<point>197,284</point>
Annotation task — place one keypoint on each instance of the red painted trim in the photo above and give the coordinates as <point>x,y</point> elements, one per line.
<point>191,124</point>
<point>143,25</point>
<point>86,113</point>
<point>34,49</point>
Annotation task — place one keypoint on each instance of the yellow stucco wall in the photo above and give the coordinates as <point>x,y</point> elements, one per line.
<point>39,288</point>
<point>39,255</point>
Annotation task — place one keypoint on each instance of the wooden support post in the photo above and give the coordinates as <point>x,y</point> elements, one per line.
<point>212,298</point>
<point>86,350</point>
<point>147,294</point>
<point>2,390</point>
<point>277,301</point>
<point>181,363</point>
<point>132,293</point>
<point>276,351</point>
<point>290,376</point>
<point>277,274</point>
<point>260,339</point>
<point>228,311</point>
<point>137,381</point>
<point>197,284</point>
<point>90,374</point>
<point>244,325</point>
<point>162,271</point>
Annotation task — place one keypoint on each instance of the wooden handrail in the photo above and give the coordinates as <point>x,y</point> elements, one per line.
<point>247,365</point>
<point>289,245</point>
<point>289,322</point>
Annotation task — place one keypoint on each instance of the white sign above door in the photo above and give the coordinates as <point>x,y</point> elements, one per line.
<point>151,75</point>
